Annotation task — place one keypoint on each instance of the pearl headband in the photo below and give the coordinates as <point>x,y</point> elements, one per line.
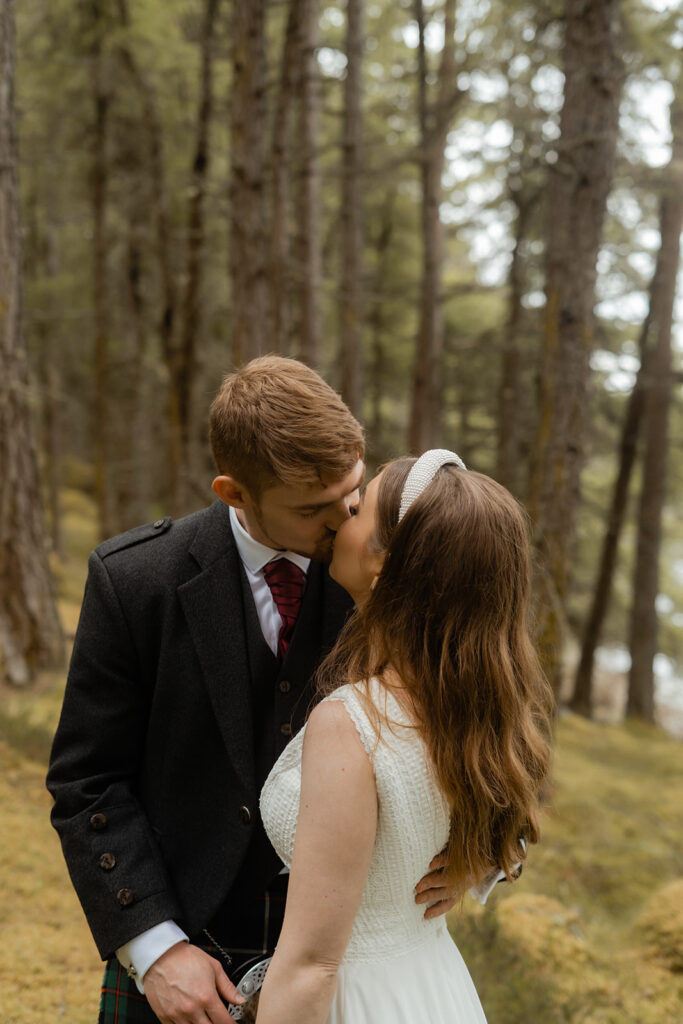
<point>423,472</point>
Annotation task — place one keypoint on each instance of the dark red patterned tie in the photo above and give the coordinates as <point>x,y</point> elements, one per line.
<point>286,582</point>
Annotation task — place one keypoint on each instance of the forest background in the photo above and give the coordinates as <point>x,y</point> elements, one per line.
<point>468,217</point>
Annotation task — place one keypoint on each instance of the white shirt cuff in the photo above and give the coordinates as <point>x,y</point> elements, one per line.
<point>138,955</point>
<point>482,891</point>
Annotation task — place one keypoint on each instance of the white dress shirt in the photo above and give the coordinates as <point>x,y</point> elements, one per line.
<point>138,955</point>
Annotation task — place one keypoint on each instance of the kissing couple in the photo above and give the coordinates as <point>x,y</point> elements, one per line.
<point>301,723</point>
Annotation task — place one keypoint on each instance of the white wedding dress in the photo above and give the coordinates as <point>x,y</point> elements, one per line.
<point>398,968</point>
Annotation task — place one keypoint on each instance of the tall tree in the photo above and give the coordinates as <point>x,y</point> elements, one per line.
<point>579,186</point>
<point>248,247</point>
<point>582,697</point>
<point>280,277</point>
<point>434,119</point>
<point>30,634</point>
<point>310,271</point>
<point>658,387</point>
<point>185,350</point>
<point>100,186</point>
<point>350,311</point>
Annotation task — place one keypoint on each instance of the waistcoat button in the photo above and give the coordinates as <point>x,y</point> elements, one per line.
<point>285,686</point>
<point>107,861</point>
<point>286,729</point>
<point>245,815</point>
<point>98,822</point>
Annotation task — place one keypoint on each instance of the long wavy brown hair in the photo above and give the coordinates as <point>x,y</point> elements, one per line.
<point>448,615</point>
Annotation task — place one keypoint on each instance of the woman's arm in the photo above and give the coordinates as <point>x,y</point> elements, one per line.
<point>335,836</point>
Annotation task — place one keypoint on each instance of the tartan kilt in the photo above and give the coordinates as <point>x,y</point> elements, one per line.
<point>121,1003</point>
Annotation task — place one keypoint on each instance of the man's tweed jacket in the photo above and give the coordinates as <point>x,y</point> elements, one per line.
<point>153,768</point>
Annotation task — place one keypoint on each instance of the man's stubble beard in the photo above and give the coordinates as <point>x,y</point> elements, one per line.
<point>322,552</point>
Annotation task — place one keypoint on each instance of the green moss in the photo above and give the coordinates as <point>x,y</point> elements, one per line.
<point>581,937</point>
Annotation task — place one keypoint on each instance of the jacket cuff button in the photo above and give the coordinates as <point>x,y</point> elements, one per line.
<point>107,861</point>
<point>125,897</point>
<point>98,822</point>
<point>245,815</point>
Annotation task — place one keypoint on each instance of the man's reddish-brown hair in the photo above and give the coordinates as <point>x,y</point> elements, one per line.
<point>275,420</point>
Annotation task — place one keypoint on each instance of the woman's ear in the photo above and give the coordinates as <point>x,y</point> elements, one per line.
<point>376,566</point>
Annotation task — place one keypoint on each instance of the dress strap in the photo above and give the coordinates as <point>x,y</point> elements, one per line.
<point>372,728</point>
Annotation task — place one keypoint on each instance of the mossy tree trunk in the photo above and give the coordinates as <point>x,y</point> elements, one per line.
<point>100,408</point>
<point>248,246</point>
<point>309,248</point>
<point>280,276</point>
<point>434,120</point>
<point>658,386</point>
<point>579,186</point>
<point>350,301</point>
<point>30,633</point>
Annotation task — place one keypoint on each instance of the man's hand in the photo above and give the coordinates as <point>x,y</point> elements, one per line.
<point>433,889</point>
<point>185,986</point>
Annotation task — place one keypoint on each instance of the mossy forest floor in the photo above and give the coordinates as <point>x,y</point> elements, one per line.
<point>591,934</point>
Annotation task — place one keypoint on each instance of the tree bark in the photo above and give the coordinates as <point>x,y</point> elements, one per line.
<point>248,246</point>
<point>658,386</point>
<point>280,271</point>
<point>579,186</point>
<point>509,394</point>
<point>185,353</point>
<point>350,301</point>
<point>309,248</point>
<point>582,698</point>
<point>425,417</point>
<point>376,320</point>
<point>100,186</point>
<point>30,633</point>
<point>159,202</point>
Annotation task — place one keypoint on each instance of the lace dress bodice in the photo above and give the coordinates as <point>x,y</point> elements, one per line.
<point>412,825</point>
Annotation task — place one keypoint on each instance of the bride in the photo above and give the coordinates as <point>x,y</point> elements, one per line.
<point>433,735</point>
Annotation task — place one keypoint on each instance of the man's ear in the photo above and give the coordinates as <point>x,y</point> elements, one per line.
<point>229,491</point>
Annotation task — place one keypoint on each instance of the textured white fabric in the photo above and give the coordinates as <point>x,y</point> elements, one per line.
<point>398,968</point>
<point>145,949</point>
<point>422,473</point>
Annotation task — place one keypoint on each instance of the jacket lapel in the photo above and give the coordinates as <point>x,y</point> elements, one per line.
<point>212,605</point>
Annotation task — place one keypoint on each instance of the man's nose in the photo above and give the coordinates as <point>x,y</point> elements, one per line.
<point>343,510</point>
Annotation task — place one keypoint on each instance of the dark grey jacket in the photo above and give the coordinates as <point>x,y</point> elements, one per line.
<point>153,767</point>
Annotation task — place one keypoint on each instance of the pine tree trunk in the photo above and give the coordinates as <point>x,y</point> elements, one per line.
<point>52,441</point>
<point>185,357</point>
<point>280,273</point>
<point>134,494</point>
<point>309,247</point>
<point>582,698</point>
<point>350,303</point>
<point>658,387</point>
<point>579,186</point>
<point>425,416</point>
<point>30,634</point>
<point>151,123</point>
<point>100,186</point>
<point>248,246</point>
<point>376,320</point>
<point>510,398</point>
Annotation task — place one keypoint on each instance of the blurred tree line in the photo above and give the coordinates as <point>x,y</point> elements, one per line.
<point>453,210</point>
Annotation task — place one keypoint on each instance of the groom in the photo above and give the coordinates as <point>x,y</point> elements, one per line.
<point>191,669</point>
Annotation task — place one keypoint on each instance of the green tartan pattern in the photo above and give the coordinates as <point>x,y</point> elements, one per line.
<point>121,1003</point>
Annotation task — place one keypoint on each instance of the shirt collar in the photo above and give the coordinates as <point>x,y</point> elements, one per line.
<point>255,555</point>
